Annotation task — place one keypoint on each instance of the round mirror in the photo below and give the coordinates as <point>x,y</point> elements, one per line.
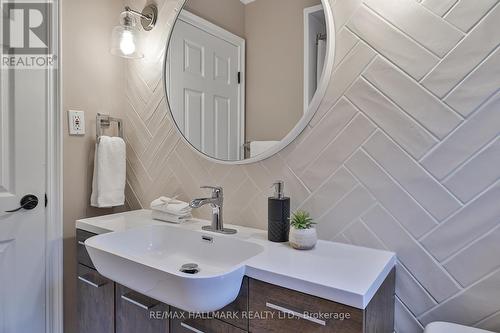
<point>243,78</point>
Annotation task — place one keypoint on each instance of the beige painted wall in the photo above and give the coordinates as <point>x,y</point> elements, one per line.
<point>93,81</point>
<point>274,32</point>
<point>228,14</point>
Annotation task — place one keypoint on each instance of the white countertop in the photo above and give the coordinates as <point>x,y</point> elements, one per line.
<point>338,272</point>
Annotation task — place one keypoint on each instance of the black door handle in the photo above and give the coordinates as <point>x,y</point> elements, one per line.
<point>28,202</point>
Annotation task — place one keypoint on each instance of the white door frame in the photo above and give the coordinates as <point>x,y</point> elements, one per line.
<point>54,188</point>
<point>237,41</point>
<point>307,16</point>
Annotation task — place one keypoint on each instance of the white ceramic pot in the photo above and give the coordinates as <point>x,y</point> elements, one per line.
<point>303,239</point>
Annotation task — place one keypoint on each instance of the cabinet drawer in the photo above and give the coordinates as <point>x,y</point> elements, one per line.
<point>82,254</point>
<point>136,313</point>
<point>285,310</point>
<point>181,322</point>
<point>95,304</point>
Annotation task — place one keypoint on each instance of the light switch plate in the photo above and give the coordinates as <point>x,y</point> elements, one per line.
<point>76,122</point>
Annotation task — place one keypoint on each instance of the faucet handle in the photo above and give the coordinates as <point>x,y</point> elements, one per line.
<point>217,191</point>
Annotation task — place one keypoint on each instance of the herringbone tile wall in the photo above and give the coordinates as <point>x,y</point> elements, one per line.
<point>403,154</point>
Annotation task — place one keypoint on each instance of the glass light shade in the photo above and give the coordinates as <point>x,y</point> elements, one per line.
<point>124,40</point>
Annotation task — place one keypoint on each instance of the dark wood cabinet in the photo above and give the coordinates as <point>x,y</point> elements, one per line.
<point>107,307</point>
<point>286,310</point>
<point>291,311</point>
<point>138,313</point>
<point>82,254</point>
<point>182,322</point>
<point>96,302</point>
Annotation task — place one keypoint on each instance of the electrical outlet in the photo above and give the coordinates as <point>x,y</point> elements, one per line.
<point>76,122</point>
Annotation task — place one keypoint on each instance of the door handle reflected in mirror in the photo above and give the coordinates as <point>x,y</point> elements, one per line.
<point>28,202</point>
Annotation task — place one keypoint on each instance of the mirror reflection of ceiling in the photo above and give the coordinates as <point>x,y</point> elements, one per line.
<point>278,72</point>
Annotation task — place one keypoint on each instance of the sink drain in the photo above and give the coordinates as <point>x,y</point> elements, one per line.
<point>190,268</point>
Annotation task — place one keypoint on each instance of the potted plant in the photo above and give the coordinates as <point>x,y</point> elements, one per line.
<point>303,235</point>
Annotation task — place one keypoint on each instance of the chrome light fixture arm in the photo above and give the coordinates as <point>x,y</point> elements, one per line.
<point>148,16</point>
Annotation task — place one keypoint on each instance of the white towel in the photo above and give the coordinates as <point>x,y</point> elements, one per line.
<point>171,206</point>
<point>166,217</point>
<point>108,185</point>
<point>258,147</point>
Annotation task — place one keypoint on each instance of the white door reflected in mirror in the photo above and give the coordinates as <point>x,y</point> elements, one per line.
<point>243,78</point>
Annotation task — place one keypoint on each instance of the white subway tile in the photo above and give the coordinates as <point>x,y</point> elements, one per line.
<point>476,175</point>
<point>416,220</point>
<point>480,129</point>
<point>491,323</point>
<point>429,111</point>
<point>468,12</point>
<point>403,129</point>
<point>477,87</point>
<point>344,43</point>
<point>404,321</point>
<point>332,157</point>
<point>401,50</point>
<point>343,10</point>
<point>329,193</point>
<point>469,306</point>
<point>425,27</point>
<point>345,74</point>
<point>418,262</point>
<point>324,132</point>
<point>360,235</point>
<point>472,221</point>
<point>440,7</point>
<point>411,292</point>
<point>483,39</point>
<point>476,260</point>
<point>409,174</point>
<point>345,211</point>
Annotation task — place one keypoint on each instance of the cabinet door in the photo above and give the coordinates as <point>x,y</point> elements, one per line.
<point>95,302</point>
<point>138,313</point>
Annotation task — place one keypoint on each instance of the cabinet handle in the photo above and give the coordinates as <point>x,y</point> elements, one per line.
<point>296,314</point>
<point>88,279</point>
<point>130,297</point>
<point>191,328</point>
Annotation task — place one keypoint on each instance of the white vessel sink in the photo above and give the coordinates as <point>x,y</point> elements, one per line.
<point>149,260</point>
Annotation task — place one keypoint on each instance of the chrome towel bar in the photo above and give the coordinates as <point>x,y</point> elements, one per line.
<point>104,121</point>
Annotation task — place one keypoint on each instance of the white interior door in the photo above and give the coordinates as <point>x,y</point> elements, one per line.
<point>22,171</point>
<point>204,91</point>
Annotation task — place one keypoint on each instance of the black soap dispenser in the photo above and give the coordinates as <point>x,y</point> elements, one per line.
<point>278,214</point>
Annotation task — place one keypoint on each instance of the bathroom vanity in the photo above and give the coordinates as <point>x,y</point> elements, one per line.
<point>333,288</point>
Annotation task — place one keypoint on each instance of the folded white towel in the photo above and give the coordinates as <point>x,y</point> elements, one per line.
<point>166,217</point>
<point>171,206</point>
<point>108,185</point>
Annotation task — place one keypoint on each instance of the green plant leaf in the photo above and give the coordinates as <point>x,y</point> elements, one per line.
<point>301,220</point>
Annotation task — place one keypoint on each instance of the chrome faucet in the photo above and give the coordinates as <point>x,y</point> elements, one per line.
<point>216,202</point>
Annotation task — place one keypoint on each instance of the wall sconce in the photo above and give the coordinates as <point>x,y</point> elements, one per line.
<point>124,36</point>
